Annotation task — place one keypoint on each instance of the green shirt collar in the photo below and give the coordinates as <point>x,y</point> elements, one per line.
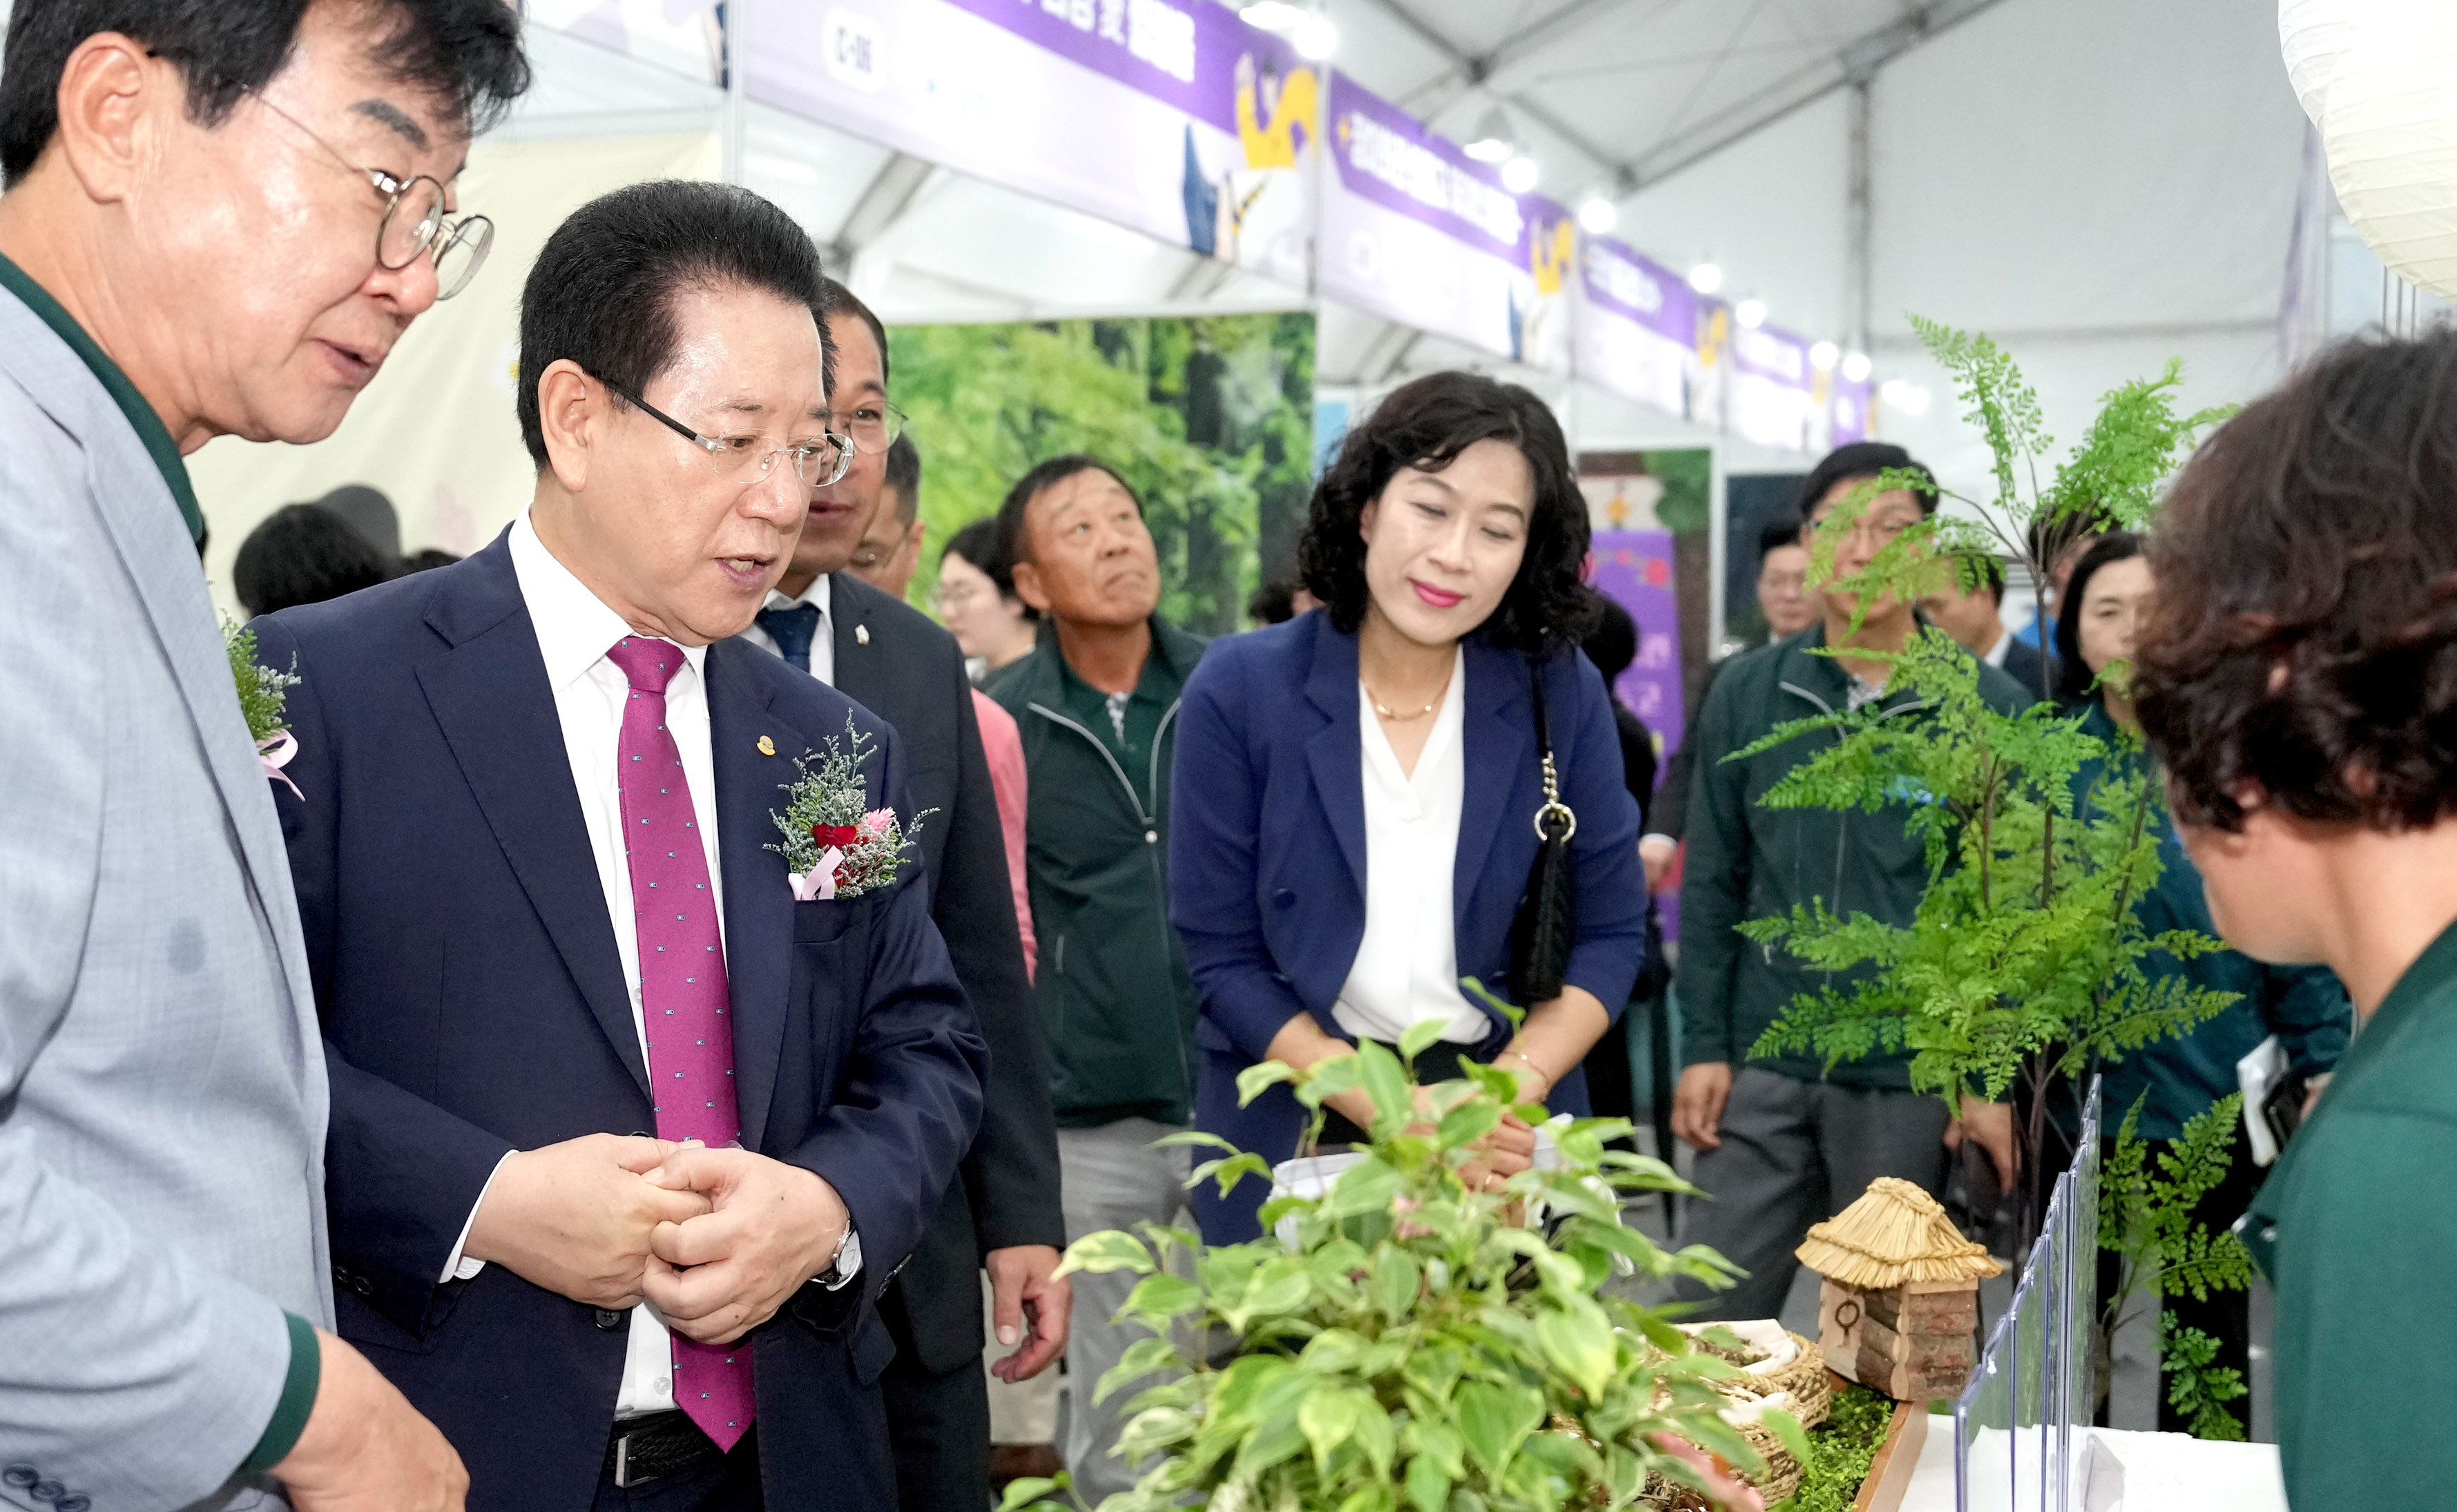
<point>149,425</point>
<point>2425,980</point>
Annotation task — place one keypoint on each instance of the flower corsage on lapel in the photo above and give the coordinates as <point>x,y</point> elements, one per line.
<point>261,692</point>
<point>835,846</point>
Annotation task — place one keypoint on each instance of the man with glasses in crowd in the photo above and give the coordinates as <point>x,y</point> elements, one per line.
<point>218,220</point>
<point>1783,1142</point>
<point>1001,1212</point>
<point>889,551</point>
<point>630,1124</point>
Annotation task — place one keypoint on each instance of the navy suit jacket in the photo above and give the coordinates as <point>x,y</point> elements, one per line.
<point>1266,847</point>
<point>473,1003</point>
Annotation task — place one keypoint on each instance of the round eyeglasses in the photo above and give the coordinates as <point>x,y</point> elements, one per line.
<point>414,223</point>
<point>747,458</point>
<point>874,424</point>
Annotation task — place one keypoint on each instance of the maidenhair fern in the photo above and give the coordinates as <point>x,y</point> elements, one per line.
<point>2023,965</point>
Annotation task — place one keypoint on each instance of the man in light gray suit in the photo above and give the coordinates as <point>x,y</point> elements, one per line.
<point>214,224</point>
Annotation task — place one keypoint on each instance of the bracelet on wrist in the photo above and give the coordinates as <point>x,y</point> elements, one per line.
<point>1513,1053</point>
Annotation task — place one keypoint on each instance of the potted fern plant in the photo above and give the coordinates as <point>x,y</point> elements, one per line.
<point>2022,967</point>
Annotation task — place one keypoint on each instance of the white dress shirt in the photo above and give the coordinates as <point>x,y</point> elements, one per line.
<point>823,641</point>
<point>1996,653</point>
<point>1406,968</point>
<point>574,631</point>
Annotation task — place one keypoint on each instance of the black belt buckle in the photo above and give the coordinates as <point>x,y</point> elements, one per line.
<point>650,1449</point>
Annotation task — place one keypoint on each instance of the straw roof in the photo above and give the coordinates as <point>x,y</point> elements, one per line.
<point>1893,1235</point>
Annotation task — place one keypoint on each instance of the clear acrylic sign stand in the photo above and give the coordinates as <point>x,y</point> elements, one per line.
<point>2016,1442</point>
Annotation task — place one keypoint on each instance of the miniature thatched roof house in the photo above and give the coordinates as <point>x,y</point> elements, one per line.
<point>1900,1301</point>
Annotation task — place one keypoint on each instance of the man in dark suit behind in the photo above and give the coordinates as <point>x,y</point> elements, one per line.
<point>1002,1214</point>
<point>546,917</point>
<point>1975,616</point>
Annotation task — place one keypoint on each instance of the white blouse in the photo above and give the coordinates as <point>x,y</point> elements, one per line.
<point>1407,965</point>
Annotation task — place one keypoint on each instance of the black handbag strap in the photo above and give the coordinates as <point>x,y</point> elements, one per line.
<point>1553,810</point>
<point>1543,730</point>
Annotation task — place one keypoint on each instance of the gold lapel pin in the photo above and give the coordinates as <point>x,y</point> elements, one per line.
<point>861,634</point>
<point>767,746</point>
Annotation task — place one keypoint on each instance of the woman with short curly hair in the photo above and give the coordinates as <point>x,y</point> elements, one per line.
<point>2297,675</point>
<point>1355,791</point>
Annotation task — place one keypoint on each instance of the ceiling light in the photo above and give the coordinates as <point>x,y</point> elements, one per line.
<point>1315,37</point>
<point>1491,143</point>
<point>1597,216</point>
<point>1751,313</point>
<point>1909,397</point>
<point>1706,277</point>
<point>1271,15</point>
<point>1824,355</point>
<point>1856,367</point>
<point>1518,175</point>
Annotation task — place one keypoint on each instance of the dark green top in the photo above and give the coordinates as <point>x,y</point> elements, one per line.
<point>148,425</point>
<point>1748,861</point>
<point>1117,1004</point>
<point>2177,1080</point>
<point>1128,725</point>
<point>2357,1230</point>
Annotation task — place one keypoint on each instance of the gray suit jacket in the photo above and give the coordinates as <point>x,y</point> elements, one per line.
<point>161,1077</point>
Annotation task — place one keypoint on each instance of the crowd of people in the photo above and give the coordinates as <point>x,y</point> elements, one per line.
<point>346,1154</point>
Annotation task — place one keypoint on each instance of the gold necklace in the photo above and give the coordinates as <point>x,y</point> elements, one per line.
<point>1385,710</point>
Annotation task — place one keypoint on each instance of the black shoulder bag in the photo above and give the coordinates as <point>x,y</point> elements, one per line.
<point>1540,938</point>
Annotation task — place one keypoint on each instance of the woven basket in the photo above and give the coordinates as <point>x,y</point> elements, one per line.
<point>1812,1391</point>
<point>1777,1481</point>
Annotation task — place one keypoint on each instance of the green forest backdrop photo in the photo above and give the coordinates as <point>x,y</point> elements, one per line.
<point>1209,421</point>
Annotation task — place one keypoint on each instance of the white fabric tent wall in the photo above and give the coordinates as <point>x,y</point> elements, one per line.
<point>2097,184</point>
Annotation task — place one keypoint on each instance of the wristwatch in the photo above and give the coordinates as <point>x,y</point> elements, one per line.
<point>847,1264</point>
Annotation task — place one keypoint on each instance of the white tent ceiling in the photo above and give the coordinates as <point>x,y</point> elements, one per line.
<point>2098,182</point>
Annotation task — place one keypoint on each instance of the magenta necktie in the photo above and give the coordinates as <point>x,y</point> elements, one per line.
<point>682,977</point>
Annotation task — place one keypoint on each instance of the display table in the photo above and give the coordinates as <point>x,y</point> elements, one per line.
<point>2163,1472</point>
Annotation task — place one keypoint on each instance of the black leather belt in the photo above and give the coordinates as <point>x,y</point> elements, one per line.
<point>644,1449</point>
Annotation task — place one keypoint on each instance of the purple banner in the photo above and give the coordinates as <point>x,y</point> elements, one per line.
<point>1851,402</point>
<point>1640,290</point>
<point>1771,352</point>
<point>1184,54</point>
<point>1634,567</point>
<point>1171,116</point>
<point>1386,155</point>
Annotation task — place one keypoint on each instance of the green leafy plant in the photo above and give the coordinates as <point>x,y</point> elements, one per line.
<point>1421,1344</point>
<point>2022,965</point>
<point>262,691</point>
<point>2147,1215</point>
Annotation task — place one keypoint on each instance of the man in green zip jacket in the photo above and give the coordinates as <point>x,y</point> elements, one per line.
<point>1095,703</point>
<point>1781,1142</point>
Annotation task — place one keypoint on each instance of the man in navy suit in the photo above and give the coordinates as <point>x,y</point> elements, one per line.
<point>1975,616</point>
<point>629,1128</point>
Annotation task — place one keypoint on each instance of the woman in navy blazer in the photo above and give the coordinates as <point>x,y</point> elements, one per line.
<point>1445,542</point>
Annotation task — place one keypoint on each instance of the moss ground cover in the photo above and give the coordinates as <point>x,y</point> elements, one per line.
<point>1840,1450</point>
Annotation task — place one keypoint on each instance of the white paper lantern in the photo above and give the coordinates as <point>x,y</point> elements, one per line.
<point>2310,32</point>
<point>2380,77</point>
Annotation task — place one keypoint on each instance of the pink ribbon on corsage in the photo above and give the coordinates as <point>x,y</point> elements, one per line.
<point>821,880</point>
<point>275,750</point>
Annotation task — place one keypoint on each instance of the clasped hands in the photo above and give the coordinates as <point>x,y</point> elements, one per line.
<point>1507,1150</point>
<point>717,1239</point>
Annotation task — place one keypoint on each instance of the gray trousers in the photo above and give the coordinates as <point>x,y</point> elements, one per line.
<point>1795,1152</point>
<point>1111,1178</point>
